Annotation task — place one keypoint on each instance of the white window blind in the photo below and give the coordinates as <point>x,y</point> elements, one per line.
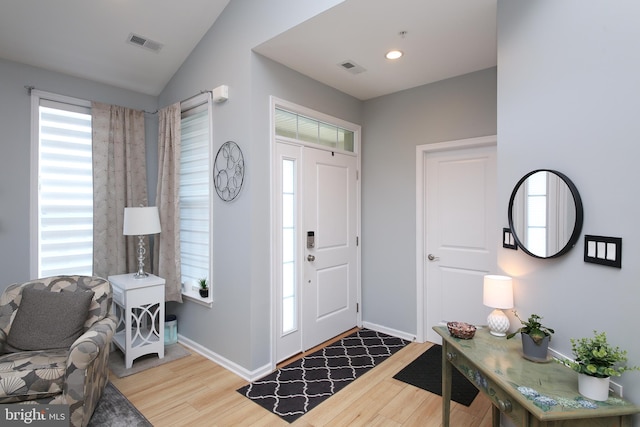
<point>297,126</point>
<point>65,190</point>
<point>195,197</point>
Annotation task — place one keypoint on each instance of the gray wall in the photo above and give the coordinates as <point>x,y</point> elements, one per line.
<point>457,108</point>
<point>237,327</point>
<point>15,143</point>
<point>568,99</point>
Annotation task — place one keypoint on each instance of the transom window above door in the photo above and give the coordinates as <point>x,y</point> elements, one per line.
<point>297,126</point>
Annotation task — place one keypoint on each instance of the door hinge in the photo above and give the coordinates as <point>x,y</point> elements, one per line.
<point>357,307</point>
<point>357,241</point>
<point>357,174</point>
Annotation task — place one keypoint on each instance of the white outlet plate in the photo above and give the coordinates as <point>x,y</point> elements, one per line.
<point>616,388</point>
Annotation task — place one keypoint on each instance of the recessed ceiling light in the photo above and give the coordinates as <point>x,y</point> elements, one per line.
<point>393,54</point>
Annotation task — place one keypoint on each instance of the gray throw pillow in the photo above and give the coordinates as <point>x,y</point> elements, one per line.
<point>47,320</point>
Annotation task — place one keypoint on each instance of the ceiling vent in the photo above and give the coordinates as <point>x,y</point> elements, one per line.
<point>352,67</point>
<point>144,42</point>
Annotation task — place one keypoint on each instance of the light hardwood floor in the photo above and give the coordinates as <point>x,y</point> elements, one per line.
<point>194,391</point>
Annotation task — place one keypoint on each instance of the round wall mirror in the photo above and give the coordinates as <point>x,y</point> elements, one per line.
<point>545,214</point>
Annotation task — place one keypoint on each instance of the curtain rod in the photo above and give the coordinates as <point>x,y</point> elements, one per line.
<point>184,100</point>
<point>31,88</point>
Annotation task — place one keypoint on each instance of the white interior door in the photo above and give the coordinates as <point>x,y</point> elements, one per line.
<point>330,272</point>
<point>316,282</point>
<point>460,234</point>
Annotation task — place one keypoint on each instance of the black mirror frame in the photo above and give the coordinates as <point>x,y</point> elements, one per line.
<point>579,214</point>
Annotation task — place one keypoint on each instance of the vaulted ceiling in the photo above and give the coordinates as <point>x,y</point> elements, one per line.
<point>439,38</point>
<point>90,39</point>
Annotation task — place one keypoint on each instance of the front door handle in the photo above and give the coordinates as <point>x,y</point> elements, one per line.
<point>311,258</point>
<point>432,257</point>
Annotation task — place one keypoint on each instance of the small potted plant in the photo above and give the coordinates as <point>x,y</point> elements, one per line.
<point>596,361</point>
<point>204,288</point>
<point>535,338</point>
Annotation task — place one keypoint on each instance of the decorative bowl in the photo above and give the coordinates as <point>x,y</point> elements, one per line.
<point>461,330</point>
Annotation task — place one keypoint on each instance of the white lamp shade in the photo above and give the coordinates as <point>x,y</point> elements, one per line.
<point>141,221</point>
<point>497,291</point>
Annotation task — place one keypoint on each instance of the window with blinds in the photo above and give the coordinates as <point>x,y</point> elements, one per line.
<point>297,126</point>
<point>65,189</point>
<point>195,198</point>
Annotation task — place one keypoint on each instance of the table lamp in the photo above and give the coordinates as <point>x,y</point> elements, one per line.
<point>497,293</point>
<point>140,222</point>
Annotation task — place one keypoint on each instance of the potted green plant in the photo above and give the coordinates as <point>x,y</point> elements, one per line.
<point>596,361</point>
<point>204,288</point>
<point>535,338</point>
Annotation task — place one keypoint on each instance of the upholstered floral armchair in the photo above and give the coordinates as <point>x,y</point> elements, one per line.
<point>55,336</point>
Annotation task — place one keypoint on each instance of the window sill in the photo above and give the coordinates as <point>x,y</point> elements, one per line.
<point>194,296</point>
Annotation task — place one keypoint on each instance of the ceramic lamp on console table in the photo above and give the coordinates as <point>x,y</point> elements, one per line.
<point>497,293</point>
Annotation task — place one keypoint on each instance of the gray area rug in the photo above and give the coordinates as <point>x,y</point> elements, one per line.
<point>171,352</point>
<point>115,410</point>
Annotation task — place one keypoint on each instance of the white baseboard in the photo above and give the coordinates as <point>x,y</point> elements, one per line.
<point>393,332</point>
<point>266,369</point>
<point>225,363</point>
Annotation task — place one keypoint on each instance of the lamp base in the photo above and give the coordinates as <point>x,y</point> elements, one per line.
<point>498,323</point>
<point>141,251</point>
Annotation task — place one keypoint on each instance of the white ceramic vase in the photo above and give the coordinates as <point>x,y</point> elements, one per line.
<point>593,387</point>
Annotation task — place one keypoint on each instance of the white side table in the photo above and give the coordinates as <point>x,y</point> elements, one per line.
<point>139,307</point>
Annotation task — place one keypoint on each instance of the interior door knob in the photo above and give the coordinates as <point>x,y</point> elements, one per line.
<point>432,257</point>
<point>311,258</point>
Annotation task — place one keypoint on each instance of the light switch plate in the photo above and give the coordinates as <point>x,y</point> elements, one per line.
<point>603,250</point>
<point>507,239</point>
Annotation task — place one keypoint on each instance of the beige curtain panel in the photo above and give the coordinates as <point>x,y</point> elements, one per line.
<point>119,181</point>
<point>166,252</point>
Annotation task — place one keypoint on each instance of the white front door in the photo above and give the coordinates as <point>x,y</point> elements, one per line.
<point>316,246</point>
<point>330,272</point>
<point>460,234</point>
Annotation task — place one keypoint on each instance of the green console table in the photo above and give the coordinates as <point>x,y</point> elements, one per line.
<point>531,394</point>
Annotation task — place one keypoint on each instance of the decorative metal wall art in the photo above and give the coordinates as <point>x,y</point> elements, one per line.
<point>228,171</point>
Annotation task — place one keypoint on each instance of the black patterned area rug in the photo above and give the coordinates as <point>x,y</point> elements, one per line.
<point>425,372</point>
<point>297,388</point>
